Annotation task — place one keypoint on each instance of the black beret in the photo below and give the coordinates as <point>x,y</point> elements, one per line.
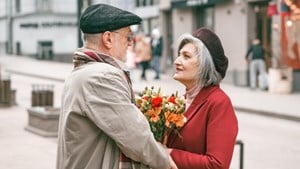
<point>215,48</point>
<point>99,18</point>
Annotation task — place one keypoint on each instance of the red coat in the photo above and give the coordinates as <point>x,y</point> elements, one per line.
<point>208,137</point>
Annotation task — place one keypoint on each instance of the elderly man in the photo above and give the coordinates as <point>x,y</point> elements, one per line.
<point>99,126</point>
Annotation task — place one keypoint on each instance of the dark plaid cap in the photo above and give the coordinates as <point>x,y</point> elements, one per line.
<point>215,48</point>
<point>99,18</point>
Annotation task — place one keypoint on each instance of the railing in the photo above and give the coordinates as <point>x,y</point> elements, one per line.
<point>240,143</point>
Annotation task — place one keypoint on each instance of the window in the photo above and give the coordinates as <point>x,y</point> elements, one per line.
<point>18,6</point>
<point>140,3</point>
<point>205,17</point>
<point>45,50</point>
<point>43,5</point>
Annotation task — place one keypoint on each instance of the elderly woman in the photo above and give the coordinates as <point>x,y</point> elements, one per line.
<point>208,137</point>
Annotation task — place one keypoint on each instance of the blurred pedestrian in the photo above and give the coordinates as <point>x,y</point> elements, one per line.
<point>207,139</point>
<point>157,48</point>
<point>99,126</point>
<point>255,57</point>
<point>131,58</point>
<point>143,53</point>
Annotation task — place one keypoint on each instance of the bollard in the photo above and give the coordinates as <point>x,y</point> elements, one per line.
<point>5,95</point>
<point>42,95</point>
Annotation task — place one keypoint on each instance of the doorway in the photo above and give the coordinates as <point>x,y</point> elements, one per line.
<point>262,29</point>
<point>45,50</point>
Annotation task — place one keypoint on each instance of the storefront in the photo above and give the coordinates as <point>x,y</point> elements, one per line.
<point>290,39</point>
<point>226,17</point>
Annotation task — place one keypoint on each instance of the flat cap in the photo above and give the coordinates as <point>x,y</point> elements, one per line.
<point>99,18</point>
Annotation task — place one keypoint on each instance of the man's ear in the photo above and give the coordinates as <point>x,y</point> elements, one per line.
<point>106,39</point>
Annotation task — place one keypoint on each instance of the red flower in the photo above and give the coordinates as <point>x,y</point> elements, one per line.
<point>156,101</point>
<point>172,99</point>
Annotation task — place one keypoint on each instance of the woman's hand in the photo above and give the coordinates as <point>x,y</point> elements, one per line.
<point>172,163</point>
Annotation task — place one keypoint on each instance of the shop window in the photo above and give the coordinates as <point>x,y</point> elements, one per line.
<point>149,24</point>
<point>205,17</point>
<point>141,3</point>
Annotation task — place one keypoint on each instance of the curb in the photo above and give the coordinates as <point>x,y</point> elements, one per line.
<point>35,75</point>
<point>267,113</point>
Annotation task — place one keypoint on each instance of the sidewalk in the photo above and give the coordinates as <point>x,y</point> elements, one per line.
<point>259,102</point>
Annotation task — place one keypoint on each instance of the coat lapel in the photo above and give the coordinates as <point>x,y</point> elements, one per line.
<point>198,102</point>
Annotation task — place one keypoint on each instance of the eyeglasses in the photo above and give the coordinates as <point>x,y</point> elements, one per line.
<point>129,37</point>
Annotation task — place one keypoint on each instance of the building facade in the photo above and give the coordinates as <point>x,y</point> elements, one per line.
<point>48,29</point>
<point>237,22</point>
<point>43,29</point>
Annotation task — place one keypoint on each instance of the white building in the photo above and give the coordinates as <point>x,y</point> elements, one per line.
<point>45,29</point>
<point>48,29</point>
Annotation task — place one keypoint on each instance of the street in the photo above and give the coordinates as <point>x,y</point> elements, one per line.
<point>270,143</point>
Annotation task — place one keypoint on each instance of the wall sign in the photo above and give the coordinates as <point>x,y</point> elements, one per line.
<point>55,24</point>
<point>190,3</point>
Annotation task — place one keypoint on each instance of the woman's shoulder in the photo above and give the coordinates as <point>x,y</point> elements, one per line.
<point>218,95</point>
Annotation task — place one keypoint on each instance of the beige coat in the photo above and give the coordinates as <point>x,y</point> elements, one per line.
<point>98,120</point>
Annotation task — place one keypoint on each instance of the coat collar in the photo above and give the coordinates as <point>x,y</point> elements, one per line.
<point>199,100</point>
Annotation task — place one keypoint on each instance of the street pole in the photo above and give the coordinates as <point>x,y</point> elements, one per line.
<point>9,27</point>
<point>79,8</point>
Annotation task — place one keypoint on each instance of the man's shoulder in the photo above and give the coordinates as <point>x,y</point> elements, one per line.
<point>97,68</point>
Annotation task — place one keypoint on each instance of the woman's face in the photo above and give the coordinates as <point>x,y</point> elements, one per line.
<point>186,65</point>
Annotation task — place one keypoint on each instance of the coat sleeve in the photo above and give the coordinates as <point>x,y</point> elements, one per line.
<point>109,106</point>
<point>221,133</point>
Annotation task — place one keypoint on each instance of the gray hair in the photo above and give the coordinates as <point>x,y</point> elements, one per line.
<point>91,38</point>
<point>206,74</point>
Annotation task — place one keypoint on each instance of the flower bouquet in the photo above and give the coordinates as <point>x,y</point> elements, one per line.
<point>164,113</point>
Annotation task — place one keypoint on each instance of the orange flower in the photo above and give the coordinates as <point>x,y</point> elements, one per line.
<point>176,119</point>
<point>153,114</point>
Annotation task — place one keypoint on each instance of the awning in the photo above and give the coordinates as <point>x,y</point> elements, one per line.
<point>190,3</point>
